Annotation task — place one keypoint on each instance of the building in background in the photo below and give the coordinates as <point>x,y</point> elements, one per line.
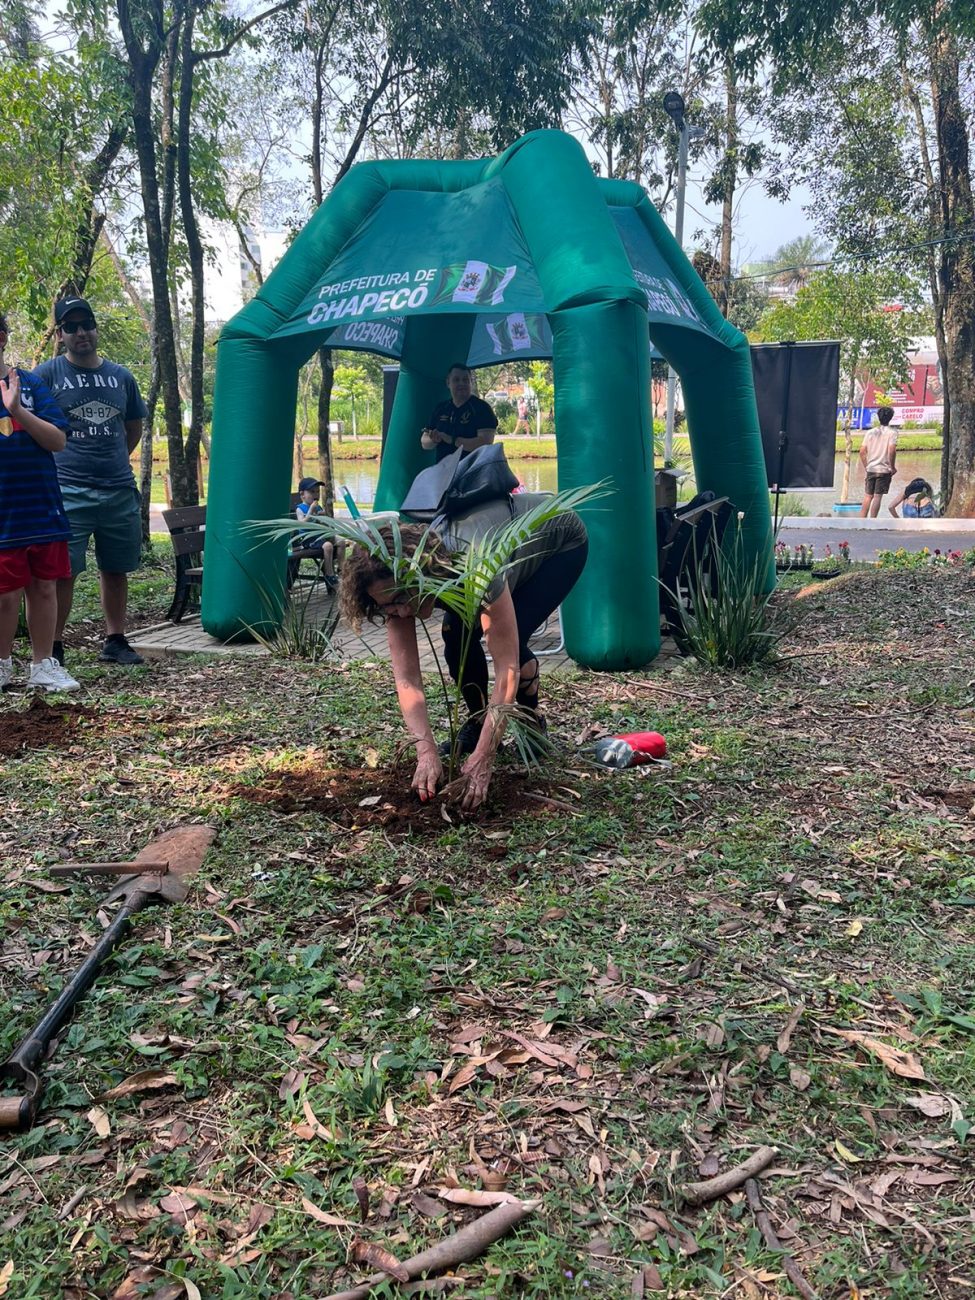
<point>231,278</point>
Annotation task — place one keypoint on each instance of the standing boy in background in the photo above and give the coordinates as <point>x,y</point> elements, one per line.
<point>878,456</point>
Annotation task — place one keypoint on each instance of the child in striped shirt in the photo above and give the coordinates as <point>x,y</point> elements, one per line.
<point>34,529</point>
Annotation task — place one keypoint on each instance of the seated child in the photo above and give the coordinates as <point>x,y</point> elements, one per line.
<point>34,529</point>
<point>918,500</point>
<point>308,507</point>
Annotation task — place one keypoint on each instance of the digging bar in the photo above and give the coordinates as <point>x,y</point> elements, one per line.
<point>181,852</point>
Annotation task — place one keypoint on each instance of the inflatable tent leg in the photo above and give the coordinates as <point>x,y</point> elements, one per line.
<point>250,475</point>
<point>601,366</point>
<point>432,343</point>
<point>726,447</point>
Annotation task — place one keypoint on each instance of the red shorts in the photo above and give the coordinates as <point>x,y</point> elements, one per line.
<point>46,561</point>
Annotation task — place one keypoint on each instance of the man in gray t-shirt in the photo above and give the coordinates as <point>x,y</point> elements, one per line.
<point>105,410</point>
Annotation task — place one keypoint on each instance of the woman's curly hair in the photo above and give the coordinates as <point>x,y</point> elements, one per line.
<point>363,567</point>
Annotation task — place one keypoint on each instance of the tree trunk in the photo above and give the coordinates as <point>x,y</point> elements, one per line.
<point>934,212</point>
<point>324,442</point>
<point>145,455</point>
<point>848,436</point>
<point>185,481</point>
<point>730,180</point>
<point>141,71</point>
<point>956,278</point>
<point>90,225</point>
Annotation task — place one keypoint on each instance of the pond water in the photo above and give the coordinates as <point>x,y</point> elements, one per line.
<point>360,477</point>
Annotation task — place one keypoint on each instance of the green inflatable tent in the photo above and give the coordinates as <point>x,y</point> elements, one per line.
<point>521,256</point>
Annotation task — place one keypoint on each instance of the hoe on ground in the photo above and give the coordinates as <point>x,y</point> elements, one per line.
<point>159,873</point>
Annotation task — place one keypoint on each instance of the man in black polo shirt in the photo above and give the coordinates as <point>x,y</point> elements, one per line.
<point>464,421</point>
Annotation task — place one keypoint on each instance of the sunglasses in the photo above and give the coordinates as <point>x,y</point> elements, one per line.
<point>72,326</point>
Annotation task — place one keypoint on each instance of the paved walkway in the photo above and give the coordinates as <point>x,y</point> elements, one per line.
<point>171,640</point>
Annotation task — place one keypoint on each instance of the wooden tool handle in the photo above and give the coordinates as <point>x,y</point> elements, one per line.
<point>136,868</point>
<point>12,1113</point>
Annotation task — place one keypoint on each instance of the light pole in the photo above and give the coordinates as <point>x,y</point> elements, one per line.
<point>674,108</point>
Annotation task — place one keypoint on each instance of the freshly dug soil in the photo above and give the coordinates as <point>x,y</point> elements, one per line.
<point>365,797</point>
<point>41,725</point>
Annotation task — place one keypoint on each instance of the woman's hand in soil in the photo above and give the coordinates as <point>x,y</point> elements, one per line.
<point>427,776</point>
<point>477,775</point>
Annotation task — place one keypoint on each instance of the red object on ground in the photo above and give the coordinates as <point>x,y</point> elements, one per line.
<point>646,745</point>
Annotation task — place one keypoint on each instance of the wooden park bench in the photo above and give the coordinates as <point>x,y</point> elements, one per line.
<point>186,525</point>
<point>187,530</point>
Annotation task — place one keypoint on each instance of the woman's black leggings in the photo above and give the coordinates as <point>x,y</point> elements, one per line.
<point>534,601</point>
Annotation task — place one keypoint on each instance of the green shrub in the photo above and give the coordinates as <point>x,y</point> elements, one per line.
<point>727,619</point>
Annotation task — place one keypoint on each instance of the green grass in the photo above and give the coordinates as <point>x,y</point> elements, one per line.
<point>814,828</point>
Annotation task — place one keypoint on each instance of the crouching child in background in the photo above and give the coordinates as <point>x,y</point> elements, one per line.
<point>310,507</point>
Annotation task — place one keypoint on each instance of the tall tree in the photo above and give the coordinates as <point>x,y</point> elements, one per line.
<point>60,169</point>
<point>176,170</point>
<point>639,50</point>
<point>805,41</point>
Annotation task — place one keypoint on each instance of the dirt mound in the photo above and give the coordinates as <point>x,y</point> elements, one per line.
<point>362,797</point>
<point>41,725</point>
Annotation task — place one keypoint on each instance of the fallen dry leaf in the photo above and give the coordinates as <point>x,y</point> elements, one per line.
<point>99,1121</point>
<point>330,1220</point>
<point>815,890</point>
<point>784,1039</point>
<point>290,1084</point>
<point>367,1252</point>
<point>463,1196</point>
<point>464,1075</point>
<point>898,1062</point>
<point>6,1273</point>
<point>179,1206</point>
<point>845,1153</point>
<point>427,1206</point>
<point>141,1081</point>
<point>646,1281</point>
<point>133,1286</point>
<point>799,1078</point>
<point>931,1104</point>
<point>927,1178</point>
<point>318,1129</point>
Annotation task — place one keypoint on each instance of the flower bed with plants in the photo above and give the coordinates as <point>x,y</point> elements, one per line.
<point>925,558</point>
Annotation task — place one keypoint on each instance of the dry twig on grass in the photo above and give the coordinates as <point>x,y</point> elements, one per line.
<point>755,967</point>
<point>465,1245</point>
<point>711,1188</point>
<point>789,1265</point>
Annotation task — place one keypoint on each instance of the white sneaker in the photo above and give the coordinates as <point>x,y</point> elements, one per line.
<point>6,673</point>
<point>48,675</point>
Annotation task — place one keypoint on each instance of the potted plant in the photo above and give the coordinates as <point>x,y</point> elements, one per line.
<point>790,558</point>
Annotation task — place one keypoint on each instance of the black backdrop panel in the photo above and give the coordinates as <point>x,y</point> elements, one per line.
<point>797,385</point>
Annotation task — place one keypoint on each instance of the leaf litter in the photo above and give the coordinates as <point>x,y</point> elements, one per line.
<point>554,1035</point>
